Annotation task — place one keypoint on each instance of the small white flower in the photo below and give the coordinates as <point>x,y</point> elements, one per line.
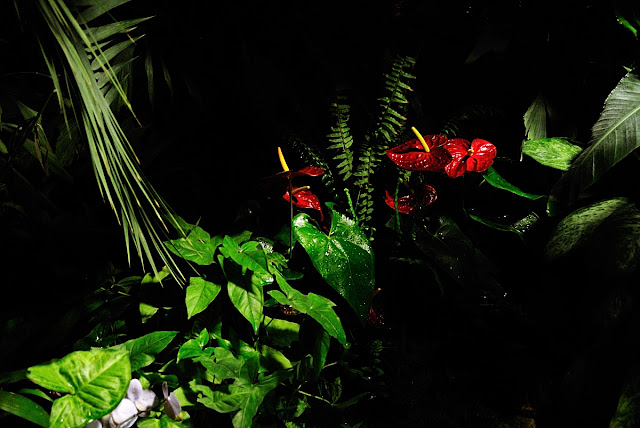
<point>125,415</point>
<point>172,407</point>
<point>144,399</point>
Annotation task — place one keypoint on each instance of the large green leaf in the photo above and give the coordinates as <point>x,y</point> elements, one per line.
<point>614,136</point>
<point>23,407</point>
<point>579,226</point>
<point>200,294</point>
<point>252,393</point>
<point>344,258</point>
<point>95,381</point>
<point>248,298</point>
<point>143,350</point>
<point>552,152</point>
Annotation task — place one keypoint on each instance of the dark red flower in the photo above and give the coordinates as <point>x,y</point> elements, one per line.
<point>415,156</point>
<point>421,194</point>
<point>475,156</point>
<point>303,198</point>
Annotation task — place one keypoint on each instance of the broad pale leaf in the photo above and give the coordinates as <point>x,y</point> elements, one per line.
<point>95,381</point>
<point>576,228</point>
<point>614,136</point>
<point>535,119</point>
<point>556,153</point>
<point>200,293</point>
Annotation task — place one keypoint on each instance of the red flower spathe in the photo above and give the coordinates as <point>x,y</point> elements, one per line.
<point>304,198</point>
<point>422,194</point>
<point>476,156</point>
<point>411,155</point>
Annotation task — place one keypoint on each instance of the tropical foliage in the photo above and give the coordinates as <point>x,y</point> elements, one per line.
<point>480,273</point>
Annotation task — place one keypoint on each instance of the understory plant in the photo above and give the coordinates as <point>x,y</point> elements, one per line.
<point>302,313</point>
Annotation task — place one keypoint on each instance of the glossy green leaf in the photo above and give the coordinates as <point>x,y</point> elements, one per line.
<point>248,298</point>
<point>199,295</point>
<point>317,307</point>
<point>556,153</point>
<point>577,227</point>
<point>493,178</point>
<point>344,257</point>
<point>95,381</point>
<point>23,407</point>
<point>320,350</point>
<point>143,350</point>
<point>614,136</point>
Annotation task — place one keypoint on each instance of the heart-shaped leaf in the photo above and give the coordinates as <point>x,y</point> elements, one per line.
<point>95,381</point>
<point>200,293</point>
<point>344,258</point>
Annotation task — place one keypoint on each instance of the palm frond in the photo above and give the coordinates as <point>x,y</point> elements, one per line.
<point>92,81</point>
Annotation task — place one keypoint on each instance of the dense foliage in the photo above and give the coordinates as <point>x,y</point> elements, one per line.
<point>237,214</point>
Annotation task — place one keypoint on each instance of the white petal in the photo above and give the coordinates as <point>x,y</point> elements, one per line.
<point>125,414</point>
<point>146,400</point>
<point>135,390</point>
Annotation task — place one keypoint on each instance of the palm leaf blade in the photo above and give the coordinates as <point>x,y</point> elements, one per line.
<point>614,136</point>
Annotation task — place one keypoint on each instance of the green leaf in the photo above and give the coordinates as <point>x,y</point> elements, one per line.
<point>535,119</point>
<point>281,333</point>
<point>252,396</point>
<point>143,350</point>
<point>200,293</point>
<point>246,256</point>
<point>320,351</point>
<point>576,228</point>
<point>95,381</point>
<point>248,298</point>
<point>223,364</point>
<point>344,258</point>
<point>628,410</point>
<point>556,153</point>
<point>317,307</point>
<point>493,178</point>
<point>146,311</point>
<point>193,347</point>
<point>196,247</point>
<point>614,136</point>
<point>23,407</point>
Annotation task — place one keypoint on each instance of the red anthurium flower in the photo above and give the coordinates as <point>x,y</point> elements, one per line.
<point>475,156</point>
<point>303,198</point>
<point>422,154</point>
<point>422,194</point>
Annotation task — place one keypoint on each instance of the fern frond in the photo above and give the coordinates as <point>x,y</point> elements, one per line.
<point>340,138</point>
<point>311,155</point>
<point>389,124</point>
